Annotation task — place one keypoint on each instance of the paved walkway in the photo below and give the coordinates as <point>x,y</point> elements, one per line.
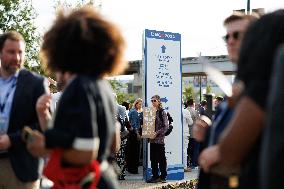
<point>135,181</point>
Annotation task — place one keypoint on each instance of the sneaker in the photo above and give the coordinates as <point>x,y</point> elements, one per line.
<point>154,180</point>
<point>196,168</point>
<point>121,178</point>
<point>163,180</point>
<point>187,169</point>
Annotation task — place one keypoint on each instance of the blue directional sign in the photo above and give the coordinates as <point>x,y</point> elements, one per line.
<point>162,69</point>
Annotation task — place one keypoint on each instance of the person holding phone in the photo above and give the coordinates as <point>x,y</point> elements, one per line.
<point>19,91</point>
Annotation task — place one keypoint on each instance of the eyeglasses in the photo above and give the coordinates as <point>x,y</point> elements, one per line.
<point>236,36</point>
<point>153,100</point>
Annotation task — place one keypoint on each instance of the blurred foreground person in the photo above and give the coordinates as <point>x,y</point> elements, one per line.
<point>236,26</point>
<point>81,48</point>
<point>271,161</point>
<point>240,142</point>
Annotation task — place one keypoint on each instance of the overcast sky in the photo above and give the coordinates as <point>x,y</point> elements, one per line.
<point>198,21</point>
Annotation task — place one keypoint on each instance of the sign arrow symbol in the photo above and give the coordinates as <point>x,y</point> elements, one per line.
<point>163,49</point>
<point>165,100</point>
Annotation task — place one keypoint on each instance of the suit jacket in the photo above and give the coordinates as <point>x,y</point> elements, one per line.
<point>23,113</point>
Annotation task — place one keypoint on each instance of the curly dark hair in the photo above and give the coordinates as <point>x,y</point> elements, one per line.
<point>83,43</point>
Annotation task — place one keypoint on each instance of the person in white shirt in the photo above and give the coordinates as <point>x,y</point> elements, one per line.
<point>187,120</point>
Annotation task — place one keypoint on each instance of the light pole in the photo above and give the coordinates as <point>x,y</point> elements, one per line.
<point>200,88</point>
<point>248,7</point>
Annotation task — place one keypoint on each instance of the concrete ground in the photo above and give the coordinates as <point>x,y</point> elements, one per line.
<point>135,181</point>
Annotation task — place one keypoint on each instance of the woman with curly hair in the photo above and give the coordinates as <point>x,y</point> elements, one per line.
<point>82,48</point>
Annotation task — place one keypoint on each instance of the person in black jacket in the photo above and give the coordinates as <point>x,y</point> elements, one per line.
<point>241,141</point>
<point>19,91</point>
<point>271,159</point>
<point>236,26</point>
<point>83,47</point>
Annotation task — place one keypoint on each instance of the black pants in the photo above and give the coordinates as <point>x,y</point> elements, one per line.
<point>158,158</point>
<point>194,148</point>
<point>132,152</point>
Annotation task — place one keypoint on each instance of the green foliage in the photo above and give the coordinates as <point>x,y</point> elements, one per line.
<point>188,92</point>
<point>220,94</point>
<point>115,84</point>
<point>121,97</point>
<point>79,3</point>
<point>208,89</point>
<point>19,15</point>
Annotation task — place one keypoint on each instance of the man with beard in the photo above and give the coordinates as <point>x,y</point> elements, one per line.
<point>19,91</point>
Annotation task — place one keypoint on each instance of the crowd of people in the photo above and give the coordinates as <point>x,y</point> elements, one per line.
<point>77,138</point>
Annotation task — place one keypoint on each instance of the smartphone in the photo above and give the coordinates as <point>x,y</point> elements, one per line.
<point>27,134</point>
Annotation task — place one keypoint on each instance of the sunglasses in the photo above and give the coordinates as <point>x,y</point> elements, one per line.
<point>153,100</point>
<point>235,35</point>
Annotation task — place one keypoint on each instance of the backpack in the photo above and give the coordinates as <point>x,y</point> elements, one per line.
<point>170,120</point>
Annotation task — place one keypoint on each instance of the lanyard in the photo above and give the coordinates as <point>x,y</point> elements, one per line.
<point>2,105</point>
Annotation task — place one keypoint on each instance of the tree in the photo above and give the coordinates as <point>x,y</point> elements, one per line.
<point>79,3</point>
<point>115,84</point>
<point>20,16</point>
<point>121,97</point>
<point>208,89</point>
<point>188,92</point>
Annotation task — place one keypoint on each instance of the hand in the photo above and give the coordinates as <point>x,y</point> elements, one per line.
<point>43,105</point>
<point>42,108</point>
<point>5,142</point>
<point>209,157</point>
<point>154,135</point>
<point>36,146</point>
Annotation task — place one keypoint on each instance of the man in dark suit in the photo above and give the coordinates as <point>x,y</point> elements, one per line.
<point>19,91</point>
